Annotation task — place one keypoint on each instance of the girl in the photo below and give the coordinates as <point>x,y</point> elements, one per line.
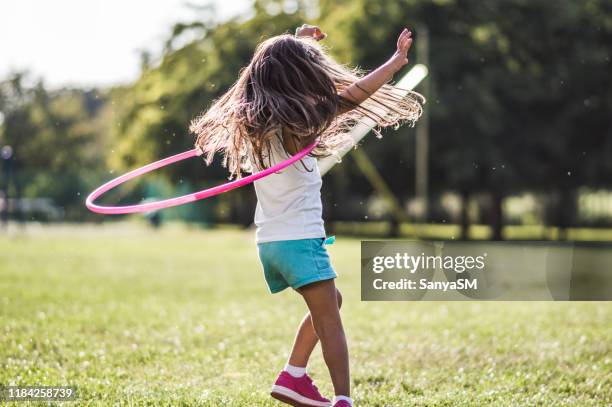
<point>290,95</point>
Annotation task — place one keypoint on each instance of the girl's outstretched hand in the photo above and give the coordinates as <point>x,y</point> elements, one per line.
<point>311,31</point>
<point>404,42</point>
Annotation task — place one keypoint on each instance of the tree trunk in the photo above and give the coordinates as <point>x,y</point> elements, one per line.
<point>465,218</point>
<point>496,214</point>
<point>7,167</point>
<point>566,209</point>
<point>394,227</point>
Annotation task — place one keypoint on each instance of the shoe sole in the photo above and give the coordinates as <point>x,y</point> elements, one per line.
<point>294,399</point>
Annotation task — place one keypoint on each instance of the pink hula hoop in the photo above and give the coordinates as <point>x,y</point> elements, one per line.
<point>180,200</point>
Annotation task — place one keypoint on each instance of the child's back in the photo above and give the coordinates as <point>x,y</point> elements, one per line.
<point>289,202</point>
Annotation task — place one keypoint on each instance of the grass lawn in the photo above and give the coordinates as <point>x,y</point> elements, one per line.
<point>181,316</point>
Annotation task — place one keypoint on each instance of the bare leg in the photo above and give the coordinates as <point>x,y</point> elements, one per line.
<point>321,298</point>
<point>306,339</point>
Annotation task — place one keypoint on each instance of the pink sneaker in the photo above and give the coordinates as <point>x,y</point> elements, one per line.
<point>298,391</point>
<point>342,403</point>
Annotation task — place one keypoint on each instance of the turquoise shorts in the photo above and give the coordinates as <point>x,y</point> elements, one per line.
<point>295,263</point>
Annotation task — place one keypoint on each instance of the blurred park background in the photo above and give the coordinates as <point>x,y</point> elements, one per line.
<point>515,144</point>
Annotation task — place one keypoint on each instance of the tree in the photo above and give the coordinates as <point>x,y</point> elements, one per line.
<point>56,139</point>
<point>511,109</point>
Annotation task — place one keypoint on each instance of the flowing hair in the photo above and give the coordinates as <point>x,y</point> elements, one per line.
<point>290,92</point>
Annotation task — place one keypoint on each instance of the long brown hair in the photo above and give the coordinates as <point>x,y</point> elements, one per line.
<point>291,87</point>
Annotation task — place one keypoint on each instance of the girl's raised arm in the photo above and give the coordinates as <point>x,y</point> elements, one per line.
<point>359,91</point>
<point>310,31</point>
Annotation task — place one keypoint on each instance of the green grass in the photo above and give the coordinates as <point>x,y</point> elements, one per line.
<point>183,317</point>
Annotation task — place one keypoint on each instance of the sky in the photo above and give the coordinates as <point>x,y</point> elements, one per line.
<point>91,42</point>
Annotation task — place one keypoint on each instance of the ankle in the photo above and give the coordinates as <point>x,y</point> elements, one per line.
<point>338,398</point>
<point>295,371</point>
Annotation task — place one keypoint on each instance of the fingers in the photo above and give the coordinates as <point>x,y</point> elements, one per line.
<point>311,31</point>
<point>404,37</point>
<point>318,34</point>
<point>404,42</point>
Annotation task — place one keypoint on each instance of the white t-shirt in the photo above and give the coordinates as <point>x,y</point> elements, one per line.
<point>289,202</point>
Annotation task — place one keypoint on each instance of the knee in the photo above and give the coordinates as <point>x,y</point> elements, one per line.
<point>339,297</point>
<point>326,325</point>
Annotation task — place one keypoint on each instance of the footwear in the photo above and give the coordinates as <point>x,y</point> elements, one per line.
<point>298,391</point>
<point>342,403</point>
